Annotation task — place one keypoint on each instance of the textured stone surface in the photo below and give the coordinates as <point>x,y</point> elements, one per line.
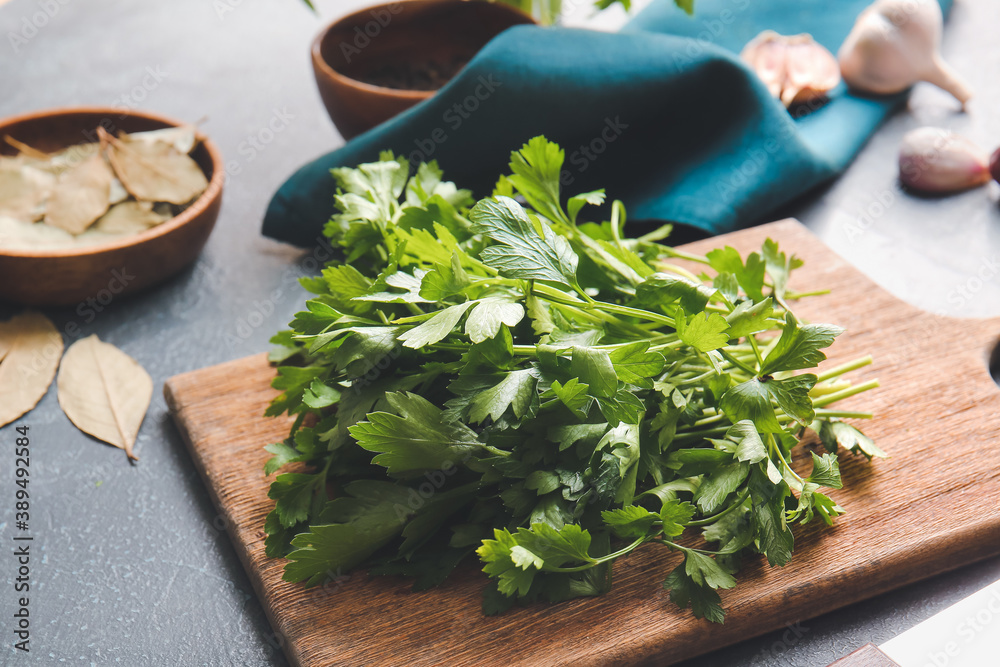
<point>133,566</point>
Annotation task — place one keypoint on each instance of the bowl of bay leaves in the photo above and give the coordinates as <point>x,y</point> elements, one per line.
<point>99,202</point>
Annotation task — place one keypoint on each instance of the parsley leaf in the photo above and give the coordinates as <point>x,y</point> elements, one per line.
<point>414,437</point>
<point>704,601</point>
<point>826,471</point>
<point>596,369</point>
<point>630,521</point>
<point>515,391</point>
<point>485,319</point>
<point>704,332</point>
<point>749,318</point>
<point>435,329</point>
<point>750,275</point>
<point>799,346</point>
<point>521,249</point>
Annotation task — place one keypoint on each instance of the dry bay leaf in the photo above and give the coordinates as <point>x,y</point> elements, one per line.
<point>68,158</point>
<point>130,217</point>
<point>81,196</point>
<point>93,237</point>
<point>33,347</point>
<point>18,235</point>
<point>23,191</point>
<point>104,392</point>
<point>118,193</point>
<point>155,171</point>
<point>183,137</point>
<point>25,149</point>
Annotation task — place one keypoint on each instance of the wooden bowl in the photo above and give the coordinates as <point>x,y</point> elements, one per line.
<point>69,276</point>
<point>357,59</point>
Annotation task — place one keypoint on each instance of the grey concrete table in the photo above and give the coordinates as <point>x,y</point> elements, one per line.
<point>132,565</point>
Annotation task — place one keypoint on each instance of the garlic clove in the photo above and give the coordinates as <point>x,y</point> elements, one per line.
<point>944,77</point>
<point>766,54</point>
<point>893,45</point>
<point>795,69</point>
<point>934,160</point>
<point>812,71</point>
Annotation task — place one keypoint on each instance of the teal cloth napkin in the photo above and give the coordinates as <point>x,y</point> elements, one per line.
<point>663,115</point>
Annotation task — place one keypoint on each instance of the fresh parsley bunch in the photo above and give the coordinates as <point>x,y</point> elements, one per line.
<point>498,378</point>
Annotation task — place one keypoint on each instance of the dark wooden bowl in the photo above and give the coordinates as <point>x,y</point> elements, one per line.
<point>352,51</point>
<point>101,272</point>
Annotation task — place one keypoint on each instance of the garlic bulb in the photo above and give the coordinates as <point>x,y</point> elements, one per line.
<point>938,161</point>
<point>893,45</point>
<point>794,68</point>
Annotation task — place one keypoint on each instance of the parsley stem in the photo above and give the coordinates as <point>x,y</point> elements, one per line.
<point>634,312</point>
<point>715,517</point>
<point>825,388</point>
<point>739,364</point>
<point>599,560</point>
<point>837,371</point>
<point>587,309</point>
<point>673,268</point>
<point>844,414</point>
<point>802,295</point>
<point>680,254</point>
<point>846,393</point>
<point>756,350</point>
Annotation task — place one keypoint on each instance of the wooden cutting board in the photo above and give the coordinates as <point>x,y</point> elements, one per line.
<point>933,506</point>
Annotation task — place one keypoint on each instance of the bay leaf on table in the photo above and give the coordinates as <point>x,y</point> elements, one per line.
<point>18,235</point>
<point>5,340</point>
<point>23,190</point>
<point>130,217</point>
<point>104,392</point>
<point>31,347</point>
<point>81,195</point>
<point>155,171</point>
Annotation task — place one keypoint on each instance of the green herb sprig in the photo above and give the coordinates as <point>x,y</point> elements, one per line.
<point>499,379</point>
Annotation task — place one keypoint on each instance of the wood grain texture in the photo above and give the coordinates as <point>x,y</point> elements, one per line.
<point>866,656</point>
<point>931,507</point>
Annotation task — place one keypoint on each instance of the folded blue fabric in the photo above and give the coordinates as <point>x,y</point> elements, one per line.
<point>663,115</point>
